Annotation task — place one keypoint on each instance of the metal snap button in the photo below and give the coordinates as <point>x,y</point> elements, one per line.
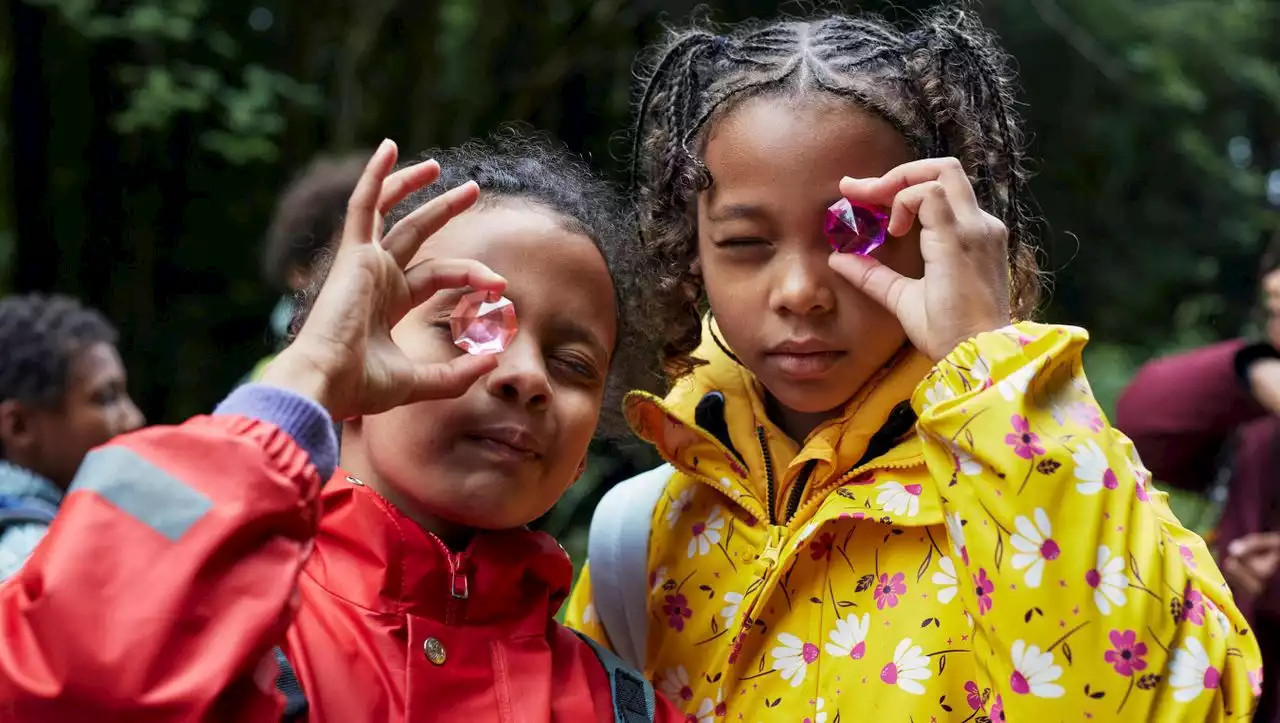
<point>434,650</point>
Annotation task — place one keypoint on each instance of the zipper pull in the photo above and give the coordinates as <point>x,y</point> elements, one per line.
<point>459,585</point>
<point>773,547</point>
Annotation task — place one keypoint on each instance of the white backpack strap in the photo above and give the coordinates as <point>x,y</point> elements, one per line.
<point>618,551</point>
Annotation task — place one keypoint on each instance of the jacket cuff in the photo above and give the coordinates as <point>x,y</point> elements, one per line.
<point>303,419</point>
<point>1246,356</point>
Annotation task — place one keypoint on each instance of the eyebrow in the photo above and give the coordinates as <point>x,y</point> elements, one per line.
<point>571,330</point>
<point>736,211</point>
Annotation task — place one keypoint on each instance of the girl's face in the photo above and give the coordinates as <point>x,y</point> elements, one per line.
<point>776,163</point>
<point>500,455</point>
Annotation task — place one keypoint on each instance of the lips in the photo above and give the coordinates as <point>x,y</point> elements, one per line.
<point>804,358</point>
<point>509,440</point>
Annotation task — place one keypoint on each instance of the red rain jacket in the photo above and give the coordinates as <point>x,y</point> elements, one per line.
<point>183,555</point>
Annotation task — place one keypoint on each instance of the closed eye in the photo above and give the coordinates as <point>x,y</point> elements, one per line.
<point>740,242</point>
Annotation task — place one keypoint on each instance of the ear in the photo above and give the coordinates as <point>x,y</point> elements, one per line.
<point>695,268</point>
<point>15,425</point>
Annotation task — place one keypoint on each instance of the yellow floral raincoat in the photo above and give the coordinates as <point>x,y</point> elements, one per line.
<point>1005,558</point>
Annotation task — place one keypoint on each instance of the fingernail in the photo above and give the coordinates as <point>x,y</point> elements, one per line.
<point>384,145</point>
<point>1235,548</point>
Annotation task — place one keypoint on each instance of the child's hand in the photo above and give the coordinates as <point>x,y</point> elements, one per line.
<point>965,289</point>
<point>344,357</point>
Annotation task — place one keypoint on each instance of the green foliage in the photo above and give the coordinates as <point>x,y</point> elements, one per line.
<point>239,102</point>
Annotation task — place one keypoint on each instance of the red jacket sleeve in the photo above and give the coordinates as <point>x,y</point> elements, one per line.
<point>164,582</point>
<point>1180,411</point>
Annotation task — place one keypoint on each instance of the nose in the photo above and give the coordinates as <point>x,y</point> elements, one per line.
<point>521,377</point>
<point>803,283</point>
<point>131,417</point>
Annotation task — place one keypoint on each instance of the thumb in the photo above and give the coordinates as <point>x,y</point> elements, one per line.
<point>865,273</point>
<point>451,379</point>
<point>1254,544</point>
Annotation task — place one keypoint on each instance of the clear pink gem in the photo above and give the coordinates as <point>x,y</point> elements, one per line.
<point>852,228</point>
<point>482,326</point>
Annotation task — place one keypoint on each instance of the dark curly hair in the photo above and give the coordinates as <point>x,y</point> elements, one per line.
<point>40,337</point>
<point>309,215</point>
<point>519,164</point>
<point>944,84</point>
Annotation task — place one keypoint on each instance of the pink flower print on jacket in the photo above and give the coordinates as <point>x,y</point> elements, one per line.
<point>677,611</point>
<point>888,590</point>
<point>1127,655</point>
<point>1025,443</point>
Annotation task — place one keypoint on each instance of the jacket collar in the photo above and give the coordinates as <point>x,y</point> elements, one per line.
<point>22,483</point>
<point>713,425</point>
<point>372,555</point>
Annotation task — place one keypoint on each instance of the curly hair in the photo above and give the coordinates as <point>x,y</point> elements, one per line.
<point>518,164</point>
<point>944,84</point>
<point>309,214</point>
<point>41,336</point>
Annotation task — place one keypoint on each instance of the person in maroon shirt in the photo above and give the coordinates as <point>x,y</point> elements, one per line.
<point>1208,421</point>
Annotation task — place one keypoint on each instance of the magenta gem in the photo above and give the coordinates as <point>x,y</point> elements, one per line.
<point>483,325</point>
<point>852,228</point>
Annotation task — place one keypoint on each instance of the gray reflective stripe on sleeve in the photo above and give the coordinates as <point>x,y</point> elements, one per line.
<point>150,495</point>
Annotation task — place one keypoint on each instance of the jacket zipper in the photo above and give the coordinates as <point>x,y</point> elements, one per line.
<point>770,489</point>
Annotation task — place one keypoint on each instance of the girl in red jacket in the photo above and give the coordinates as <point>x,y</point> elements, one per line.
<point>189,562</point>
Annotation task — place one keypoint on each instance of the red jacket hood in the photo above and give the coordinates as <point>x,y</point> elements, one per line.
<point>383,561</point>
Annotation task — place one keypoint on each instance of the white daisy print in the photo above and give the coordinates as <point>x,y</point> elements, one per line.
<point>937,394</point>
<point>1034,546</point>
<point>733,601</point>
<point>1092,469</point>
<point>955,531</point>
<point>712,709</point>
<point>1015,385</point>
<point>964,462</point>
<point>657,579</point>
<point>819,715</point>
<point>678,507</point>
<point>899,499</point>
<point>706,534</point>
<point>849,638</point>
<point>945,579</point>
<point>909,667</point>
<point>674,683</point>
<point>1190,672</point>
<point>793,657</point>
<point>980,372</point>
<point>1034,672</point>
<point>589,616</point>
<point>1108,581</point>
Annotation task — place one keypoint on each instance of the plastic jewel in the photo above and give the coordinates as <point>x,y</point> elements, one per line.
<point>852,228</point>
<point>481,325</point>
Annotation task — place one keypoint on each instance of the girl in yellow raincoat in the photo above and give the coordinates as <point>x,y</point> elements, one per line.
<point>884,501</point>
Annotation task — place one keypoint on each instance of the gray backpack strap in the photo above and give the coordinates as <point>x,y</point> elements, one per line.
<point>618,551</point>
<point>633,697</point>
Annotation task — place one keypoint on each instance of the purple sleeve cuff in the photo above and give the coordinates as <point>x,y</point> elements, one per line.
<point>306,421</point>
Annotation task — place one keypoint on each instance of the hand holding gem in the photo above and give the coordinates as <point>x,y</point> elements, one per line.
<point>344,357</point>
<point>965,288</point>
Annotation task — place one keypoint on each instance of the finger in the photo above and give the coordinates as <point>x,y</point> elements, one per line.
<point>947,171</point>
<point>927,201</point>
<point>1253,544</point>
<point>407,236</point>
<point>405,181</point>
<point>451,379</point>
<point>884,285</point>
<point>1242,581</point>
<point>427,277</point>
<point>362,222</point>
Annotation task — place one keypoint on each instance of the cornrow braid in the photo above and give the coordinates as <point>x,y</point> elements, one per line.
<point>944,85</point>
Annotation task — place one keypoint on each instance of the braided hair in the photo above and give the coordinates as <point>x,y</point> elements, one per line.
<point>944,85</point>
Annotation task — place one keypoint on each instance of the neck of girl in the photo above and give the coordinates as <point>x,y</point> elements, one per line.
<point>354,460</point>
<point>797,425</point>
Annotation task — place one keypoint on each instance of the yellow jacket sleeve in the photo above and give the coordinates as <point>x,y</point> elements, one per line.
<point>581,613</point>
<point>1080,581</point>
